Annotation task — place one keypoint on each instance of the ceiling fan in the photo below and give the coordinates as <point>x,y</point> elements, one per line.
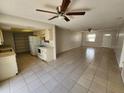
<point>61,11</point>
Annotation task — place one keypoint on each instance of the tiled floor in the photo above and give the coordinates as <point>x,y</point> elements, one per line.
<point>81,70</point>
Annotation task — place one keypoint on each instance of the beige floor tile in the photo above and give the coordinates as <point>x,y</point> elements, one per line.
<point>88,76</point>
<point>115,87</point>
<point>5,87</point>
<point>73,72</point>
<point>33,85</point>
<point>90,91</point>
<point>40,89</point>
<point>60,89</point>
<point>85,82</point>
<point>45,77</point>
<point>68,83</point>
<point>79,89</point>
<point>100,81</point>
<point>51,84</point>
<point>97,88</point>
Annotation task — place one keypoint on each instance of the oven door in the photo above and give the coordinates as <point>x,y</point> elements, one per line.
<point>39,51</point>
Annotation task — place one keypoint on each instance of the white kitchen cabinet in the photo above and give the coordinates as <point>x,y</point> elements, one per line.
<point>48,35</point>
<point>39,33</point>
<point>8,64</point>
<point>44,33</point>
<point>1,38</point>
<point>45,53</point>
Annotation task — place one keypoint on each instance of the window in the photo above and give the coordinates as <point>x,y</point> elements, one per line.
<point>107,34</point>
<point>91,37</point>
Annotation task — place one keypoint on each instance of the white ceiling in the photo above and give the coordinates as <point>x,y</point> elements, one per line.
<point>100,14</point>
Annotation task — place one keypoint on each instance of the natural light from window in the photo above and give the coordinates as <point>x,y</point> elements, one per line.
<point>91,37</point>
<point>107,34</point>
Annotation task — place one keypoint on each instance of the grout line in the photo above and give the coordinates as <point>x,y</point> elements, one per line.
<point>82,73</point>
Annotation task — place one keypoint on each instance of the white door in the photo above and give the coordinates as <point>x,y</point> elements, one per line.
<point>107,40</point>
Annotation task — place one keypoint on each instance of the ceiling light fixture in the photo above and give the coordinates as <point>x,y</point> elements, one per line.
<point>60,17</point>
<point>90,29</point>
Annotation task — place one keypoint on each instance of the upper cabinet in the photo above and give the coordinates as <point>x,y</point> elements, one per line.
<point>47,34</point>
<point>1,38</point>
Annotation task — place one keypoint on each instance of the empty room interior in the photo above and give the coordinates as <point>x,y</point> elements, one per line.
<point>61,46</point>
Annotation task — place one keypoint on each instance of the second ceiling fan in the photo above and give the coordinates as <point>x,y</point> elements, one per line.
<point>61,11</point>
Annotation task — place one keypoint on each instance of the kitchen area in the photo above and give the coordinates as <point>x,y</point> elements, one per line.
<point>37,43</point>
<point>42,45</point>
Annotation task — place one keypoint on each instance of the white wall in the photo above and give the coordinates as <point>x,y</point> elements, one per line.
<point>66,40</point>
<point>119,49</point>
<point>99,38</point>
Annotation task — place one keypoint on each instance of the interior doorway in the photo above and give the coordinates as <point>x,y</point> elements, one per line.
<point>107,38</point>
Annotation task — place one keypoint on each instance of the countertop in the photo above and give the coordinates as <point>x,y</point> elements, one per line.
<point>45,46</point>
<point>4,52</point>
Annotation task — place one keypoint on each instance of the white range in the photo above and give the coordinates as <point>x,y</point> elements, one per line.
<point>45,53</point>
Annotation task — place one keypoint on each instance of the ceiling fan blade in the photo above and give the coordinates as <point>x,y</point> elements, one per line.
<point>53,17</point>
<point>45,11</point>
<point>65,5</point>
<point>66,19</point>
<point>75,13</point>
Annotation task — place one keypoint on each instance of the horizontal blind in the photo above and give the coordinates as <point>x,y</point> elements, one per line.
<point>21,42</point>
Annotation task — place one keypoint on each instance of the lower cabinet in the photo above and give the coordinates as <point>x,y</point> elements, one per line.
<point>45,53</point>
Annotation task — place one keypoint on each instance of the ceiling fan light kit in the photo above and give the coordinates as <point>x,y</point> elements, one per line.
<point>61,11</point>
<point>60,17</point>
<point>90,29</point>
